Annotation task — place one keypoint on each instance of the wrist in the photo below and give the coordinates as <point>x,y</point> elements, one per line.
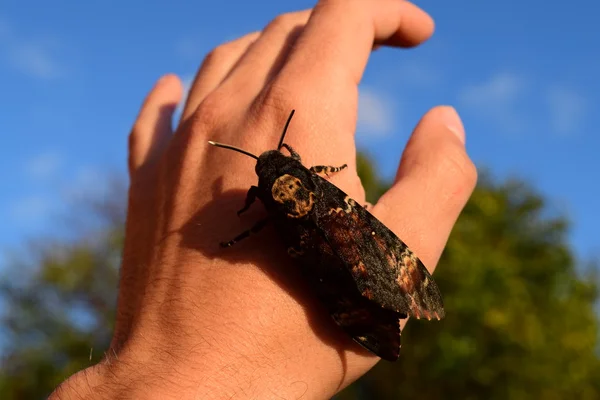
<point>113,380</point>
<point>85,384</point>
<point>259,376</point>
<point>259,343</point>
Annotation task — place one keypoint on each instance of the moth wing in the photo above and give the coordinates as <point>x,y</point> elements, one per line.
<point>375,328</point>
<point>384,269</point>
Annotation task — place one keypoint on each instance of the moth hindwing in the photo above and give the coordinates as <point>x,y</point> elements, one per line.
<point>364,275</point>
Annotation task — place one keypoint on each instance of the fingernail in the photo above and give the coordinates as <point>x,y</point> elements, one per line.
<point>453,122</point>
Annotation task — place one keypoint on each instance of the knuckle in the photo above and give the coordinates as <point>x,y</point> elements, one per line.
<point>283,22</point>
<point>323,3</point>
<point>227,52</point>
<point>460,169</point>
<point>210,58</point>
<point>352,8</point>
<point>209,112</point>
<point>220,54</point>
<point>233,48</point>
<point>276,96</point>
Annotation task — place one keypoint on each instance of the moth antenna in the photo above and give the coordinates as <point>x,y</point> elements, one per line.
<point>227,146</point>
<point>285,130</point>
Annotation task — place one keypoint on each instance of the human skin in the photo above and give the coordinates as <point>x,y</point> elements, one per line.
<point>195,321</point>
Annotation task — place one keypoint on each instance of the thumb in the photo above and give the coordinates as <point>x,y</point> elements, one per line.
<point>433,183</point>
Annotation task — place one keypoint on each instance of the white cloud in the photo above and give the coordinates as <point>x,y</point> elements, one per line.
<point>188,48</point>
<point>567,109</point>
<point>497,98</point>
<point>30,210</point>
<point>500,90</point>
<point>32,56</point>
<point>375,113</point>
<point>417,73</point>
<point>508,101</point>
<point>196,47</point>
<point>88,182</point>
<point>44,166</point>
<point>35,59</point>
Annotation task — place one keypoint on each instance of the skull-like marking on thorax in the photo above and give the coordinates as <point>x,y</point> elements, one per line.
<point>289,188</point>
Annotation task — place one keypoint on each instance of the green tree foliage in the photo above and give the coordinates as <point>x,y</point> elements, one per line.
<point>520,312</point>
<point>520,320</point>
<point>58,306</point>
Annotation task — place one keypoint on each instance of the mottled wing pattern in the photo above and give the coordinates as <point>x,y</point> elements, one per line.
<point>373,327</point>
<point>384,269</point>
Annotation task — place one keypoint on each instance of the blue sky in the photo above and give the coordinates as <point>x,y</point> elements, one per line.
<point>523,75</point>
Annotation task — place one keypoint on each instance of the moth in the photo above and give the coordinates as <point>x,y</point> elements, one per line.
<point>364,275</point>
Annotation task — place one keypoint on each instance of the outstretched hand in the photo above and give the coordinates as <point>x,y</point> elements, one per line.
<point>198,321</point>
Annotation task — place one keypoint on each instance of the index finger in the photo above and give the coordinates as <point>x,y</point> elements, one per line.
<point>339,37</point>
<point>320,76</point>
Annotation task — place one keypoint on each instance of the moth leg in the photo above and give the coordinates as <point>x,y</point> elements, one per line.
<point>250,198</point>
<point>293,153</point>
<point>257,227</point>
<point>317,169</point>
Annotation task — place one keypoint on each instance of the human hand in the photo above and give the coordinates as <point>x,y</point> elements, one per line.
<point>198,321</point>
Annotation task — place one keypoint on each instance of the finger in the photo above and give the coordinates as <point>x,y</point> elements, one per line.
<point>266,55</point>
<point>215,67</point>
<point>152,129</point>
<point>319,79</point>
<point>434,181</point>
<point>339,37</point>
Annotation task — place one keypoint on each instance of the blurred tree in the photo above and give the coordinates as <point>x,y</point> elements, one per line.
<point>520,321</point>
<point>58,305</point>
